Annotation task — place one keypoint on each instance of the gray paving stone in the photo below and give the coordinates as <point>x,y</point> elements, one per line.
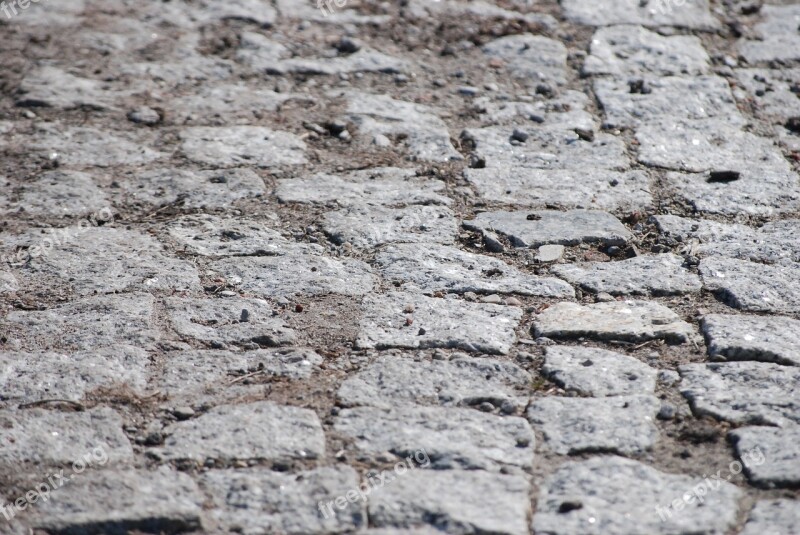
<point>770,91</point>
<point>331,14</point>
<point>51,87</point>
<point>632,320</point>
<point>778,36</point>
<point>597,372</point>
<point>630,51</point>
<point>588,188</point>
<point>260,52</point>
<point>442,268</point>
<point>384,186</point>
<point>235,146</point>
<point>307,274</point>
<point>58,194</point>
<point>364,60</point>
<point>661,274</point>
<point>533,59</point>
<point>229,103</point>
<point>570,504</point>
<point>259,11</point>
<point>256,500</point>
<point>772,517</point>
<point>751,286</point>
<point>754,393</point>
<point>52,438</point>
<point>535,228</point>
<point>478,327</point>
<point>743,337</point>
<point>458,501</point>
<point>450,437</point>
<point>228,321</point>
<point>26,377</point>
<point>260,430</point>
<point>59,15</point>
<point>462,382</point>
<point>109,501</point>
<point>370,226</point>
<point>770,455</point>
<point>591,425</point>
<point>694,14</point>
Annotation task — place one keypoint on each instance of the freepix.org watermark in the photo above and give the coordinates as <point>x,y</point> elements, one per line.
<point>12,7</point>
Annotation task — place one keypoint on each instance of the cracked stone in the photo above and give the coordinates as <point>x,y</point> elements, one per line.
<point>751,286</point>
<point>693,15</point>
<point>234,146</point>
<point>370,226</point>
<point>770,455</point>
<point>597,372</point>
<point>772,517</point>
<point>534,59</point>
<point>762,338</point>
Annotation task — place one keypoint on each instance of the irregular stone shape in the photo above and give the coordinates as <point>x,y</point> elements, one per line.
<point>101,501</point>
<point>693,15</point>
<point>50,87</point>
<point>470,502</point>
<point>753,393</point>
<point>589,188</point>
<point>591,425</point>
<point>463,382</point>
<point>456,10</point>
<point>329,12</point>
<point>59,17</point>
<point>384,186</point>
<point>635,321</point>
<point>30,377</point>
<point>228,321</point>
<point>258,11</point>
<point>661,274</point>
<point>770,517</point>
<point>260,430</point>
<point>770,455</point>
<point>630,51</point>
<point>363,60</point>
<point>566,110</point>
<point>570,504</point>
<point>370,226</point>
<point>699,97</point>
<point>53,438</point>
<point>769,91</point>
<point>596,372</point>
<point>257,500</point>
<point>275,276</point>
<point>190,189</point>
<point>231,103</point>
<point>440,268</point>
<point>479,327</point>
<point>8,282</point>
<point>58,194</point>
<point>779,40</point>
<point>89,323</point>
<point>531,58</point>
<point>450,437</point>
<point>549,253</point>
<point>535,228</point>
<point>235,146</point>
<point>751,286</point>
<point>763,338</point>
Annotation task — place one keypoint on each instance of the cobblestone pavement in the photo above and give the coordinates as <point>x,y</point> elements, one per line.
<point>432,266</point>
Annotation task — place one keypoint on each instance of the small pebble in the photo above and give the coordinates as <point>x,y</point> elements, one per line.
<point>513,301</point>
<point>519,135</point>
<point>493,299</point>
<point>183,413</point>
<point>604,297</point>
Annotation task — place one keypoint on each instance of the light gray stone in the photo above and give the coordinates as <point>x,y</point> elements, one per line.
<point>769,91</point>
<point>778,36</point>
<point>331,14</point>
<point>228,103</point>
<point>753,393</point>
<point>570,504</point>
<point>533,59</point>
<point>772,517</point>
<point>258,11</point>
<point>770,455</point>
<point>661,274</point>
<point>566,110</point>
<point>693,14</point>
<point>363,60</point>
<point>445,323</point>
<point>743,337</point>
<point>370,226</point>
<point>549,253</point>
<point>450,437</point>
<point>51,87</point>
<point>632,320</point>
<point>442,268</point>
<point>597,372</point>
<point>751,286</point>
<point>456,9</point>
<point>235,146</point>
<point>60,16</point>
<point>58,194</point>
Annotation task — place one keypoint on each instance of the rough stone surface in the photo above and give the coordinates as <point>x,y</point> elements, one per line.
<point>751,286</point>
<point>597,372</point>
<point>770,455</point>
<point>51,87</point>
<point>777,33</point>
<point>241,145</point>
<point>369,226</point>
<point>209,235</point>
<point>772,517</point>
<point>59,194</point>
<point>531,58</point>
<point>771,91</point>
<point>743,337</point>
<point>693,14</point>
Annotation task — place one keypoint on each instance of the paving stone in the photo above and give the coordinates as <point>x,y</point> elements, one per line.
<point>386,186</point>
<point>42,437</point>
<point>582,425</point>
<point>754,393</point>
<point>307,274</point>
<point>58,194</point>
<point>58,15</point>
<point>770,455</point>
<point>241,145</point>
<point>364,60</point>
<point>751,286</point>
<point>259,11</point>
<point>534,59</point>
<point>256,500</point>
<point>535,228</point>
<point>597,372</point>
<point>634,321</point>
<point>463,382</point>
<point>456,9</point>
<point>466,502</point>
<point>570,504</point>
<point>370,226</point>
<point>108,501</point>
<point>743,337</point>
<point>450,437</point>
<point>779,39</point>
<point>51,87</point>
<point>260,430</point>
<point>661,274</point>
<point>692,15</point>
<point>228,321</point>
<point>233,102</point>
<point>441,268</point>
<point>589,188</point>
<point>331,14</point>
<point>27,377</point>
<point>90,323</point>
<point>260,52</point>
<point>772,517</point>
<point>769,91</point>
<point>549,253</point>
<point>630,51</point>
<point>478,327</point>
